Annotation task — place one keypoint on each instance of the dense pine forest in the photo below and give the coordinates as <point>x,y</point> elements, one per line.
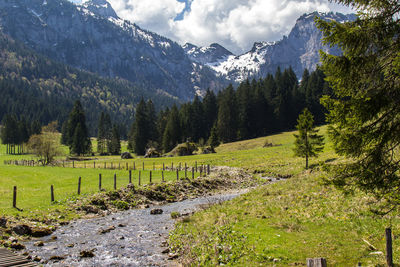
<point>39,89</point>
<point>254,109</point>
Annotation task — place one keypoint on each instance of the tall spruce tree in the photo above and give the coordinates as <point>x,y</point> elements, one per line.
<point>210,108</point>
<point>172,132</point>
<point>115,141</point>
<point>139,134</point>
<point>227,122</point>
<point>364,110</point>
<point>77,136</point>
<point>308,143</point>
<point>101,135</point>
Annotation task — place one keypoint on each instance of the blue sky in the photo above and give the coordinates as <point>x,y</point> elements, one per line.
<point>235,24</point>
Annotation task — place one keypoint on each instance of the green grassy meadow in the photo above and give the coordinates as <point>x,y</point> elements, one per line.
<point>280,224</point>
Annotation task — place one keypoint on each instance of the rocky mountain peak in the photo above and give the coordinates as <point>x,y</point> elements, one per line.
<point>209,54</point>
<point>101,8</point>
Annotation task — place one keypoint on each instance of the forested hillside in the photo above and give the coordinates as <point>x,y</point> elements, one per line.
<point>37,88</point>
<point>256,108</point>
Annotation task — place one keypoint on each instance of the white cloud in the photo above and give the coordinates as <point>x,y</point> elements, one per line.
<point>154,15</point>
<point>235,24</point>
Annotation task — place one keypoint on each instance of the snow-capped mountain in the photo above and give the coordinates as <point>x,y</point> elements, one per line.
<point>299,50</point>
<point>101,8</point>
<point>205,55</point>
<point>92,37</point>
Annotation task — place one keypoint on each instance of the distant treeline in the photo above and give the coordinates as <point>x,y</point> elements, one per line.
<point>255,109</point>
<point>16,132</point>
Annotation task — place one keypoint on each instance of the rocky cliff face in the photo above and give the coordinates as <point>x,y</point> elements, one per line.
<point>299,50</point>
<point>93,38</point>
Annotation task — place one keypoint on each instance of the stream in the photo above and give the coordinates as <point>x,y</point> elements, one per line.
<point>127,238</point>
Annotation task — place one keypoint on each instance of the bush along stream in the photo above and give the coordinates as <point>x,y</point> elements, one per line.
<point>123,227</point>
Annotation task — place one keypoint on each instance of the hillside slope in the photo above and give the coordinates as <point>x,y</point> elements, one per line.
<point>36,87</point>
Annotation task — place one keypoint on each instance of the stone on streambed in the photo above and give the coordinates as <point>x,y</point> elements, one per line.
<point>107,230</point>
<point>86,253</point>
<point>22,229</point>
<point>156,211</point>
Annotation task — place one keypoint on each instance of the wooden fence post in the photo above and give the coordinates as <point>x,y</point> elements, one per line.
<point>99,181</point>
<point>150,176</point>
<point>127,166</point>
<point>389,250</point>
<point>185,171</point>
<point>105,165</point>
<point>79,185</point>
<point>163,166</point>
<point>162,176</point>
<point>119,165</point>
<point>134,166</point>
<point>154,166</point>
<point>195,165</point>
<point>15,197</point>
<point>73,164</point>
<point>94,164</point>
<point>139,176</point>
<point>143,165</point>
<point>115,181</point>
<point>180,166</point>
<point>130,176</point>
<point>177,174</point>
<point>208,169</point>
<point>52,193</point>
<point>192,172</point>
<point>172,166</point>
<point>317,262</point>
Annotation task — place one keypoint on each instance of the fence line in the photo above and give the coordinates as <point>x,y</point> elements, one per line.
<point>112,165</point>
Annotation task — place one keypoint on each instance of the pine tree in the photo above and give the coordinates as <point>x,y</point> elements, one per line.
<point>115,141</point>
<point>107,132</point>
<point>364,110</point>
<point>214,139</point>
<point>101,135</point>
<point>151,122</point>
<point>210,108</point>
<point>172,136</point>
<point>77,136</point>
<point>308,143</point>
<point>227,122</point>
<point>139,131</point>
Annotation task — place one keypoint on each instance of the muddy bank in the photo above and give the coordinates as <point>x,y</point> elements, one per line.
<point>126,238</point>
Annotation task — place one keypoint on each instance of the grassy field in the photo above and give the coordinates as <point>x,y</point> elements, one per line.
<point>285,223</point>
<point>280,224</point>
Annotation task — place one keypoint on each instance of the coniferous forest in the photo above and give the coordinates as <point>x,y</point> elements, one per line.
<point>39,89</point>
<point>256,108</point>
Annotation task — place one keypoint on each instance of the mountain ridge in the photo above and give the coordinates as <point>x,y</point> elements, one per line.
<point>300,50</point>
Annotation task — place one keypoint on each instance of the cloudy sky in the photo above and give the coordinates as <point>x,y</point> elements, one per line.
<point>235,24</point>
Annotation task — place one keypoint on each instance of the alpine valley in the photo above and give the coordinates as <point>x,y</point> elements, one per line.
<point>90,40</point>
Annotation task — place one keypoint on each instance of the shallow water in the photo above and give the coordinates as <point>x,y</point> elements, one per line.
<point>137,239</point>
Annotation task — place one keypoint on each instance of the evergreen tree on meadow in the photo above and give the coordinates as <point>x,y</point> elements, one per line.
<point>107,132</point>
<point>172,132</point>
<point>307,143</point>
<point>210,109</point>
<point>364,109</point>
<point>151,121</point>
<point>101,135</point>
<point>213,141</point>
<point>139,131</point>
<point>115,141</point>
<point>227,122</point>
<point>77,136</point>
